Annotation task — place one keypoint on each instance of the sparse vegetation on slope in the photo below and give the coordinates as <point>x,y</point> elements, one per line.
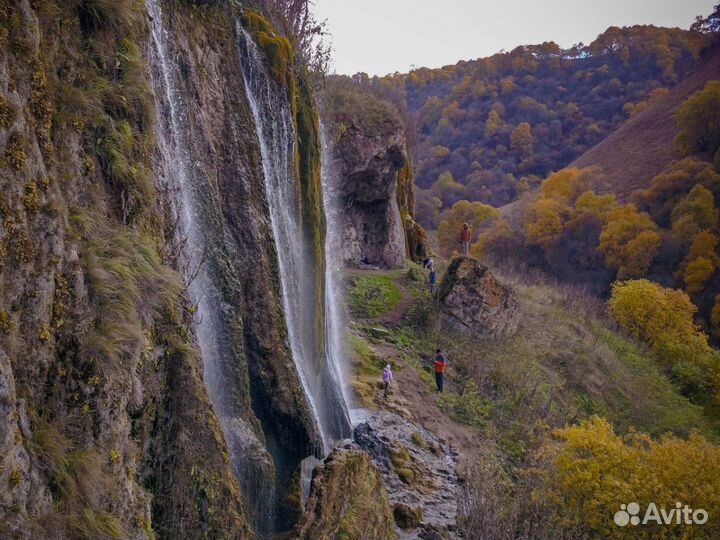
<point>566,366</point>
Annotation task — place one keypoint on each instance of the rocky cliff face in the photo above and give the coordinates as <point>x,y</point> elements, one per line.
<point>376,178</point>
<point>472,300</point>
<point>106,427</point>
<point>106,430</point>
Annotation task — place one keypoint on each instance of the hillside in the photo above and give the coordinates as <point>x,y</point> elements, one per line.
<point>642,147</point>
<point>491,128</point>
<point>565,364</point>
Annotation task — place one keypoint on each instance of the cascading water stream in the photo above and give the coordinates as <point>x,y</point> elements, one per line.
<point>188,191</point>
<point>334,301</point>
<point>276,133</point>
<point>205,243</point>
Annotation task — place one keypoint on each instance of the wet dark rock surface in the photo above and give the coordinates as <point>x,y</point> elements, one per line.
<point>418,471</point>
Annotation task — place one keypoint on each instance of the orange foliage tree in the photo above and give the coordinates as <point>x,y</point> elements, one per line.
<point>473,213</point>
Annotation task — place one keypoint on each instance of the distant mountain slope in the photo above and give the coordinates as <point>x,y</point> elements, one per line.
<point>644,145</point>
<point>500,124</point>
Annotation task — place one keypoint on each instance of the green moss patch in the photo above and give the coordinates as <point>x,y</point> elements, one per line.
<point>371,296</point>
<point>277,48</point>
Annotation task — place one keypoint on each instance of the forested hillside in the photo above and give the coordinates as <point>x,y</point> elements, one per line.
<point>488,129</point>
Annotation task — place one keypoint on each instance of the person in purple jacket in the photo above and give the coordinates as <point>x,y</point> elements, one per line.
<point>387,378</point>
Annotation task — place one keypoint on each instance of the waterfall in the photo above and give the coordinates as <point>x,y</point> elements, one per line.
<point>276,132</point>
<point>334,300</point>
<point>196,234</point>
<point>210,257</point>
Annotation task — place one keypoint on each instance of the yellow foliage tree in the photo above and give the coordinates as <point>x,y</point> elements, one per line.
<point>696,273</point>
<point>567,185</point>
<point>629,240</point>
<point>499,239</point>
<point>704,245</point>
<point>650,311</point>
<point>446,186</point>
<point>544,221</point>
<point>439,152</point>
<point>593,471</point>
<point>663,318</point>
<point>695,212</point>
<point>715,316</point>
<point>473,213</point>
<point>493,124</point>
<point>698,120</point>
<point>598,205</point>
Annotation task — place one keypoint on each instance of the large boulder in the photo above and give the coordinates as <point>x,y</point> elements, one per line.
<point>473,300</point>
<point>347,500</point>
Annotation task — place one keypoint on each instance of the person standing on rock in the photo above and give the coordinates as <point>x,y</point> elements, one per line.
<point>465,237</point>
<point>387,377</point>
<point>440,363</point>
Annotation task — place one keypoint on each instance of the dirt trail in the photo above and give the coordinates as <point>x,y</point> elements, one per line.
<point>421,404</point>
<point>411,397</point>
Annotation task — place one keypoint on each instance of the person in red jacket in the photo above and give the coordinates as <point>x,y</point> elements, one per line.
<point>465,237</point>
<point>440,363</point>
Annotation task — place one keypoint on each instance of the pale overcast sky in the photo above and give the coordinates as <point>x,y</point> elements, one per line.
<point>384,36</point>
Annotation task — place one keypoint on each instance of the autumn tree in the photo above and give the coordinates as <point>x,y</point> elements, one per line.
<point>566,185</point>
<point>698,121</point>
<point>629,240</point>
<point>597,205</point>
<point>701,261</point>
<point>715,316</point>
<point>493,124</point>
<point>544,221</point>
<point>696,273</point>
<point>473,213</point>
<point>447,189</point>
<point>664,319</point>
<point>695,212</point>
<point>499,240</point>
<point>592,468</point>
<point>522,140</point>
<point>671,185</point>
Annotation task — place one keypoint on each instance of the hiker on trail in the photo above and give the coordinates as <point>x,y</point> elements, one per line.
<point>465,237</point>
<point>387,377</point>
<point>440,363</point>
<point>429,263</point>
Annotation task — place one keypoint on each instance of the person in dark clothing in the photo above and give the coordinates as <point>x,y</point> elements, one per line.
<point>440,364</point>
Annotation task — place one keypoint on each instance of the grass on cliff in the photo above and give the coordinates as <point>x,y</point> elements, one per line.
<point>371,296</point>
<point>78,484</point>
<point>565,364</point>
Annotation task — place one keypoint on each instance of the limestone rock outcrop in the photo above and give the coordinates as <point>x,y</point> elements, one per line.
<point>473,300</point>
<point>347,500</point>
<point>371,157</point>
<point>418,471</point>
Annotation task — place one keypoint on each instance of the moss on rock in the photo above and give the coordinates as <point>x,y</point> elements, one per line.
<point>347,500</point>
